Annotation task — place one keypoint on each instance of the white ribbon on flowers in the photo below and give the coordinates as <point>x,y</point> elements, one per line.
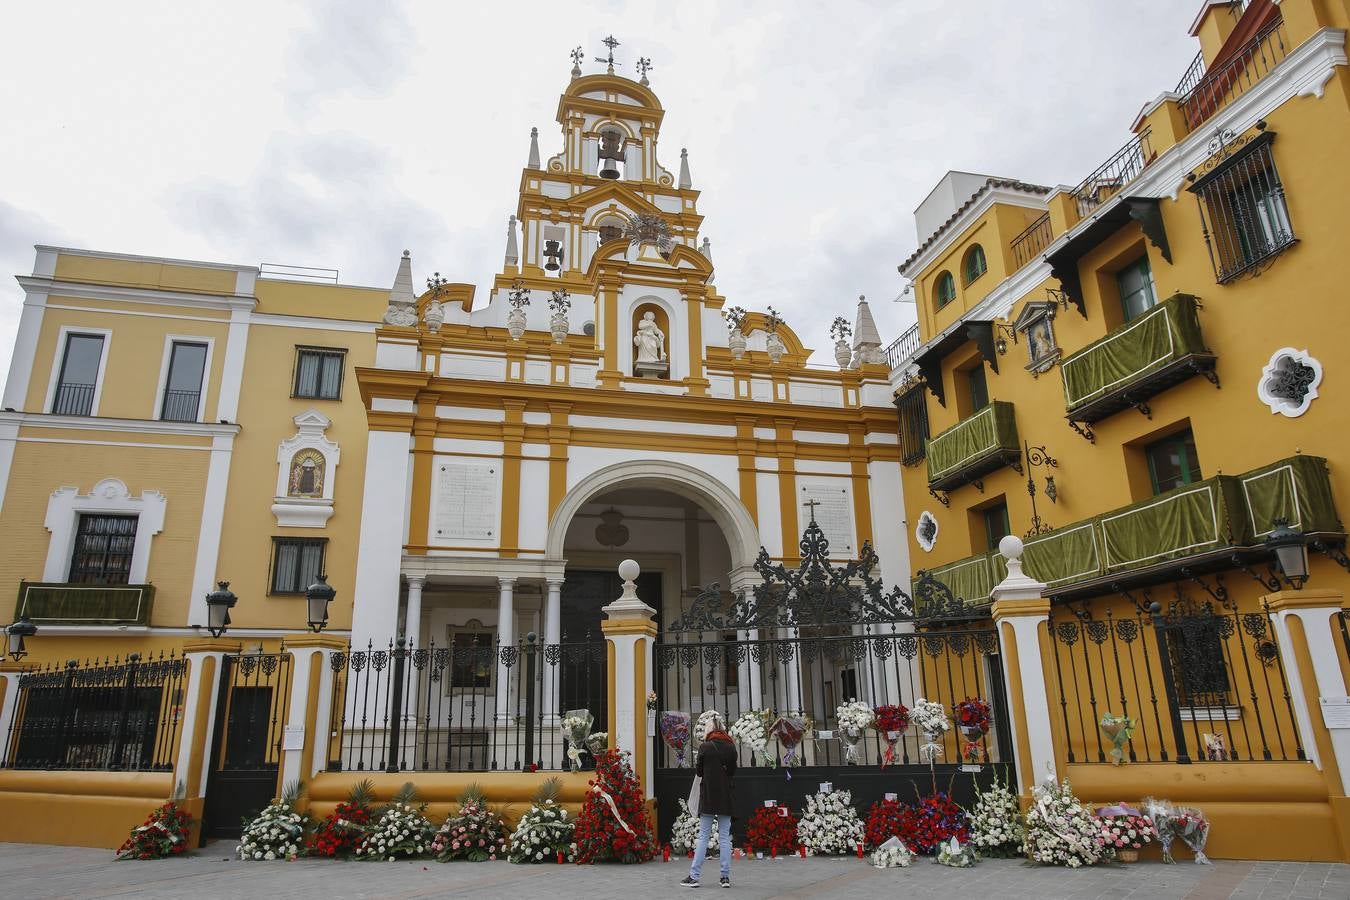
<point>612,807</point>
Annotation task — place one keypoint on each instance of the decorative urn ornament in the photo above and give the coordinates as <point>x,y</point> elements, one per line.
<point>841,331</point>
<point>519,298</point>
<point>774,344</point>
<point>434,315</point>
<point>735,316</point>
<point>559,302</point>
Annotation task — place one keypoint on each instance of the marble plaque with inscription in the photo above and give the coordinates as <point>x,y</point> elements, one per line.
<point>834,515</point>
<point>466,502</point>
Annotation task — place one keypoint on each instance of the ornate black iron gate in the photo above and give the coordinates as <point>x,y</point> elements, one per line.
<point>804,641</point>
<point>251,710</point>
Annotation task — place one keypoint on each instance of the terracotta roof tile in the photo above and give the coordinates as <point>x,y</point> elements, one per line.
<point>989,183</point>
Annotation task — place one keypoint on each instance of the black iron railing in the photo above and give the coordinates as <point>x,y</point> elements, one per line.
<point>1235,76</point>
<point>1111,176</point>
<point>1201,683</point>
<point>810,672</point>
<point>1031,241</point>
<point>73,399</point>
<point>115,716</point>
<point>471,706</point>
<point>180,406</point>
<point>1192,76</point>
<point>903,347</point>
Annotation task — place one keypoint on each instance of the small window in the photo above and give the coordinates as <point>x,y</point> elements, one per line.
<point>996,526</point>
<point>975,264</point>
<point>1135,282</point>
<point>318,373</point>
<point>1173,461</point>
<point>79,375</point>
<point>1199,668</point>
<point>913,425</point>
<point>946,289</point>
<point>296,564</point>
<point>103,548</point>
<point>979,389</point>
<point>1243,210</point>
<point>183,387</point>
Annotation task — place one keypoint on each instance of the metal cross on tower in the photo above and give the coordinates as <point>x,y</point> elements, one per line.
<point>811,505</point>
<point>611,43</point>
<point>644,65</point>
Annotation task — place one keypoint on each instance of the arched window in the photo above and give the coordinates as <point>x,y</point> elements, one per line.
<point>975,264</point>
<point>946,289</point>
<point>306,479</point>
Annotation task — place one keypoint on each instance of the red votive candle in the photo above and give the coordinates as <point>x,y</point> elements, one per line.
<point>773,853</point>
<point>860,851</point>
<point>665,853</point>
<point>802,850</point>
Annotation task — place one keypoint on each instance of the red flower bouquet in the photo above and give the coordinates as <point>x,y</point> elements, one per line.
<point>341,831</point>
<point>772,830</point>
<point>885,820</point>
<point>891,721</point>
<point>972,717</point>
<point>612,824</point>
<point>164,834</point>
<point>934,819</point>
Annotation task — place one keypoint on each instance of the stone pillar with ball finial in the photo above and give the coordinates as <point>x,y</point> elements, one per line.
<point>630,629</point>
<point>1022,616</point>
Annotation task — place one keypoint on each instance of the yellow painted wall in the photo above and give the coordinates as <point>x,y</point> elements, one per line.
<point>172,276</point>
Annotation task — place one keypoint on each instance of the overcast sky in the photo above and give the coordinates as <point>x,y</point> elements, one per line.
<point>338,134</point>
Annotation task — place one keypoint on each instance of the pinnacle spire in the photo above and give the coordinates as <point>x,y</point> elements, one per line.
<point>534,149</point>
<point>685,181</point>
<point>866,338</point>
<point>402,309</point>
<point>512,249</point>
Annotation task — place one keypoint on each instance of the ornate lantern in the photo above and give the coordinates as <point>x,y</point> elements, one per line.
<point>218,604</point>
<point>1291,552</point>
<point>317,598</point>
<point>15,634</point>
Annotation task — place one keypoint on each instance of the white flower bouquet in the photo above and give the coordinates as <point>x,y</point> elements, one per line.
<point>684,832</point>
<point>597,742</point>
<point>278,832</point>
<point>955,854</point>
<point>996,826</point>
<point>892,854</point>
<point>402,831</point>
<point>1061,831</point>
<point>931,719</point>
<point>854,719</point>
<point>576,727</point>
<point>751,733</point>
<point>704,718</point>
<point>830,826</point>
<point>544,831</point>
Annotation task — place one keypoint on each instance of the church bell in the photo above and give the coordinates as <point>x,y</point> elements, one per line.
<point>553,250</point>
<point>611,153</point>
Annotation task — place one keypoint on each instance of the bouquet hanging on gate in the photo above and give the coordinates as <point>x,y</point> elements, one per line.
<point>544,831</point>
<point>891,721</point>
<point>597,742</point>
<point>772,830</point>
<point>163,834</point>
<point>751,731</point>
<point>675,732</point>
<point>576,727</point>
<point>475,833</point>
<point>1119,729</point>
<point>790,729</point>
<point>704,720</point>
<point>278,832</point>
<point>855,717</point>
<point>342,830</point>
<point>931,718</point>
<point>972,717</point>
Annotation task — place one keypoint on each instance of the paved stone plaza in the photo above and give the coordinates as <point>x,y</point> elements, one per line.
<point>32,872</point>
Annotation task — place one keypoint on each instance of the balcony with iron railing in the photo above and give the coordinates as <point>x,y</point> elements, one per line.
<point>73,399</point>
<point>1234,76</point>
<point>974,447</point>
<point>180,406</point>
<point>1031,241</point>
<point>903,347</point>
<point>86,604</point>
<point>1108,179</point>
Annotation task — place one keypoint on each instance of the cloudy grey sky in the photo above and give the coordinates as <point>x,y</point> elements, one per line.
<point>336,134</point>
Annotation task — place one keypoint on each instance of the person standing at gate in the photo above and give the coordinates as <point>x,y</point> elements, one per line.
<point>714,768</point>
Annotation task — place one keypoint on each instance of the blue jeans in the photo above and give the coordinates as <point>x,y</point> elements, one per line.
<point>705,823</point>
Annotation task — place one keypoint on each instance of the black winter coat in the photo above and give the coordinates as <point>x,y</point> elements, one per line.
<point>716,764</point>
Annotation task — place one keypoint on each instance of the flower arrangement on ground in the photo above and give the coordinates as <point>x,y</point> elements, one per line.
<point>576,727</point>
<point>892,855</point>
<point>278,832</point>
<point>613,823</point>
<point>996,826</point>
<point>1125,830</point>
<point>675,732</point>
<point>684,831</point>
<point>544,830</point>
<point>341,831</point>
<point>1119,729</point>
<point>790,728</point>
<point>955,854</point>
<point>1061,831</point>
<point>400,831</point>
<point>163,834</point>
<point>1173,822</point>
<point>930,821</point>
<point>973,719</point>
<point>891,720</point>
<point>475,833</point>
<point>751,732</point>
<point>830,826</point>
<point>931,718</point>
<point>885,820</point>
<point>855,717</point>
<point>772,830</point>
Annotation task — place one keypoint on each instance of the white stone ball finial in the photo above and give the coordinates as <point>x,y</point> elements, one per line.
<point>1011,547</point>
<point>629,570</point>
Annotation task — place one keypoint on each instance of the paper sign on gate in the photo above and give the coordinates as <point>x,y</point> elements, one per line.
<point>293,738</point>
<point>892,797</point>
<point>826,787</point>
<point>824,735</point>
<point>1336,711</point>
<point>770,804</point>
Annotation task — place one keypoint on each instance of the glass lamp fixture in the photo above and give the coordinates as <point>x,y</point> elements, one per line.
<point>218,605</point>
<point>14,637</point>
<point>317,597</point>
<point>1291,552</point>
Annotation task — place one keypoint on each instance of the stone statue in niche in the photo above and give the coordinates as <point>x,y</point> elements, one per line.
<point>650,342</point>
<point>306,478</point>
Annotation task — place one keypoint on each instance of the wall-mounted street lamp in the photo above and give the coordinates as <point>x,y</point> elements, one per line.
<point>218,605</point>
<point>1001,341</point>
<point>1038,458</point>
<point>317,598</point>
<point>1291,553</point>
<point>14,637</point>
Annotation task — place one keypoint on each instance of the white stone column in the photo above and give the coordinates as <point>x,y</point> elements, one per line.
<point>1021,612</point>
<point>10,703</point>
<point>383,523</point>
<point>506,637</point>
<point>196,738</point>
<point>208,534</point>
<point>630,630</point>
<point>412,613</point>
<point>552,637</point>
<point>304,745</point>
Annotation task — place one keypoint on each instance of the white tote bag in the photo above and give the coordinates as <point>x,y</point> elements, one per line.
<point>693,795</point>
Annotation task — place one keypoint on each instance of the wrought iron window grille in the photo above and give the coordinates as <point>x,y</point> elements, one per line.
<point>1243,213</point>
